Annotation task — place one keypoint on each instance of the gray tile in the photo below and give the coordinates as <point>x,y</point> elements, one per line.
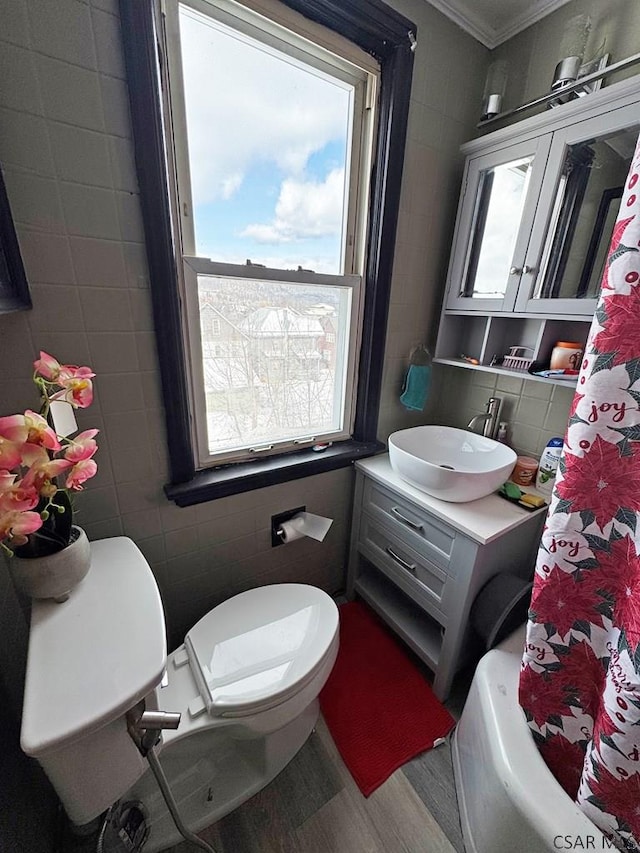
<point>98,262</point>
<point>24,142</point>
<point>57,307</point>
<point>106,28</point>
<point>46,257</point>
<point>62,30</point>
<point>90,211</point>
<point>70,94</point>
<point>106,309</point>
<point>80,155</point>
<point>34,201</point>
<point>117,118</point>
<point>19,86</point>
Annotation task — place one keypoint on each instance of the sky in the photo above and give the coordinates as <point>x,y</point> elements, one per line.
<point>267,147</point>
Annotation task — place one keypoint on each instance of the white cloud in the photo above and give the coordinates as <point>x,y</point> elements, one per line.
<point>304,209</point>
<point>245,107</point>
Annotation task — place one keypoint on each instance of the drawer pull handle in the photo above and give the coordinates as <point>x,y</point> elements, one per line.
<point>416,525</point>
<point>410,567</point>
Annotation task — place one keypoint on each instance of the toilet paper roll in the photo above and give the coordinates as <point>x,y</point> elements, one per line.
<point>305,524</point>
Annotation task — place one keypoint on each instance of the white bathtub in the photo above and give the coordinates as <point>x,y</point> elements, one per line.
<point>509,801</point>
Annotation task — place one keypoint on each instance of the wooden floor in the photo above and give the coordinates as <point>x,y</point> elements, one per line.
<point>314,806</point>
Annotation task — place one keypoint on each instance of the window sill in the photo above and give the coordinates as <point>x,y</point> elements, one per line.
<point>229,480</point>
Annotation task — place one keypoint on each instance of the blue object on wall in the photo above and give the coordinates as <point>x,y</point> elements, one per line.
<point>415,390</point>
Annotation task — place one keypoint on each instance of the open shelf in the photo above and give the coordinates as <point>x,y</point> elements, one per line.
<point>483,336</point>
<point>419,631</point>
<point>518,374</point>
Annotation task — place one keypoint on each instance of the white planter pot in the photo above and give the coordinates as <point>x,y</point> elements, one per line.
<point>55,575</point>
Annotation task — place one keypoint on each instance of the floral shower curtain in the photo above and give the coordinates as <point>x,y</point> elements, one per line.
<point>580,680</point>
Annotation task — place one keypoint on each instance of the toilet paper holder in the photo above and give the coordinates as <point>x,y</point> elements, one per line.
<point>277,521</point>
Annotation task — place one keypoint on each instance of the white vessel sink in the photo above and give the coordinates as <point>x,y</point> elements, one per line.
<point>450,464</point>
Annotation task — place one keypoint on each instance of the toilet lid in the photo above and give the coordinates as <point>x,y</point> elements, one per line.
<point>257,649</point>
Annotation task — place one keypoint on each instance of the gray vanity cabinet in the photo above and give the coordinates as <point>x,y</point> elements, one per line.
<point>420,562</point>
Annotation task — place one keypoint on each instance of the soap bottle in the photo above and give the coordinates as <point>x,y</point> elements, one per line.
<point>502,432</point>
<point>548,465</point>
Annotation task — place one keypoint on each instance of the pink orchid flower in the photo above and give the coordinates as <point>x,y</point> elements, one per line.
<point>16,526</point>
<point>39,431</point>
<point>47,366</point>
<point>42,470</point>
<point>77,390</point>
<point>13,434</point>
<point>75,381</point>
<point>82,446</point>
<point>16,496</point>
<point>80,473</point>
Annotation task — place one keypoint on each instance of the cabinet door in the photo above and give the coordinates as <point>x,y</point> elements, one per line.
<point>495,217</point>
<point>587,167</point>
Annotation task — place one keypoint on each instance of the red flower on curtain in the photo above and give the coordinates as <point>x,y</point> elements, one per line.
<point>583,677</point>
<point>602,481</point>
<point>617,568</point>
<point>562,601</point>
<point>544,697</point>
<point>565,760</point>
<point>617,795</point>
<point>621,333</point>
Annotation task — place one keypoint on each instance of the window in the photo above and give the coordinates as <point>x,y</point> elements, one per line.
<point>272,160</point>
<point>294,356</point>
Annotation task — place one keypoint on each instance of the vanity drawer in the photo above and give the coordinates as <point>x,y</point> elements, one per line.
<point>415,574</point>
<point>413,525</point>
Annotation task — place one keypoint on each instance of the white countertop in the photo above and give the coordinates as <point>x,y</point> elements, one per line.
<point>482,520</point>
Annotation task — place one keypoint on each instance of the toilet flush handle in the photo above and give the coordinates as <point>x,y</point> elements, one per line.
<point>145,727</point>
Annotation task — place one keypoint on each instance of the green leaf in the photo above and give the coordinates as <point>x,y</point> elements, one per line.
<point>604,362</point>
<point>559,650</point>
<point>587,563</point>
<point>633,370</point>
<point>601,314</point>
<point>619,252</point>
<point>615,534</point>
<point>564,505</point>
<point>608,740</point>
<point>583,626</point>
<point>587,517</point>
<point>625,448</point>
<point>555,720</point>
<point>636,659</point>
<point>635,395</point>
<point>630,432</point>
<point>597,543</point>
<point>626,516</point>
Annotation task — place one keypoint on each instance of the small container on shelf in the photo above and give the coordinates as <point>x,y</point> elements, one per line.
<point>566,355</point>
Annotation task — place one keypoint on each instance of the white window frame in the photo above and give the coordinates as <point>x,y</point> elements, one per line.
<point>354,66</point>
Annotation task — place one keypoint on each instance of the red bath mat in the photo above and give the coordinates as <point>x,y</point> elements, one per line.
<point>378,707</point>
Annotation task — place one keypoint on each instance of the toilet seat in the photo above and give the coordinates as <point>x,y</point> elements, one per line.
<point>261,647</point>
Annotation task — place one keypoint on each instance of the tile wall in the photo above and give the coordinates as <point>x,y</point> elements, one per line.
<point>535,411</point>
<point>66,152</point>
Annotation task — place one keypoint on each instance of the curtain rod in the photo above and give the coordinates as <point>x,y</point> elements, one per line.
<point>572,87</point>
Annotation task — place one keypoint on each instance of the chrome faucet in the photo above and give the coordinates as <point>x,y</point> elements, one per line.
<point>489,419</point>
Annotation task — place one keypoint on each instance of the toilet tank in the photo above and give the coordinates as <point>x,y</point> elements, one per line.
<point>91,659</point>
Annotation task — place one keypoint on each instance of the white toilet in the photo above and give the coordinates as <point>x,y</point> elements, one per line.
<point>246,682</point>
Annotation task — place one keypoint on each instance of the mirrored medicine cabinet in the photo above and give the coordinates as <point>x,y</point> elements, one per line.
<point>537,208</point>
